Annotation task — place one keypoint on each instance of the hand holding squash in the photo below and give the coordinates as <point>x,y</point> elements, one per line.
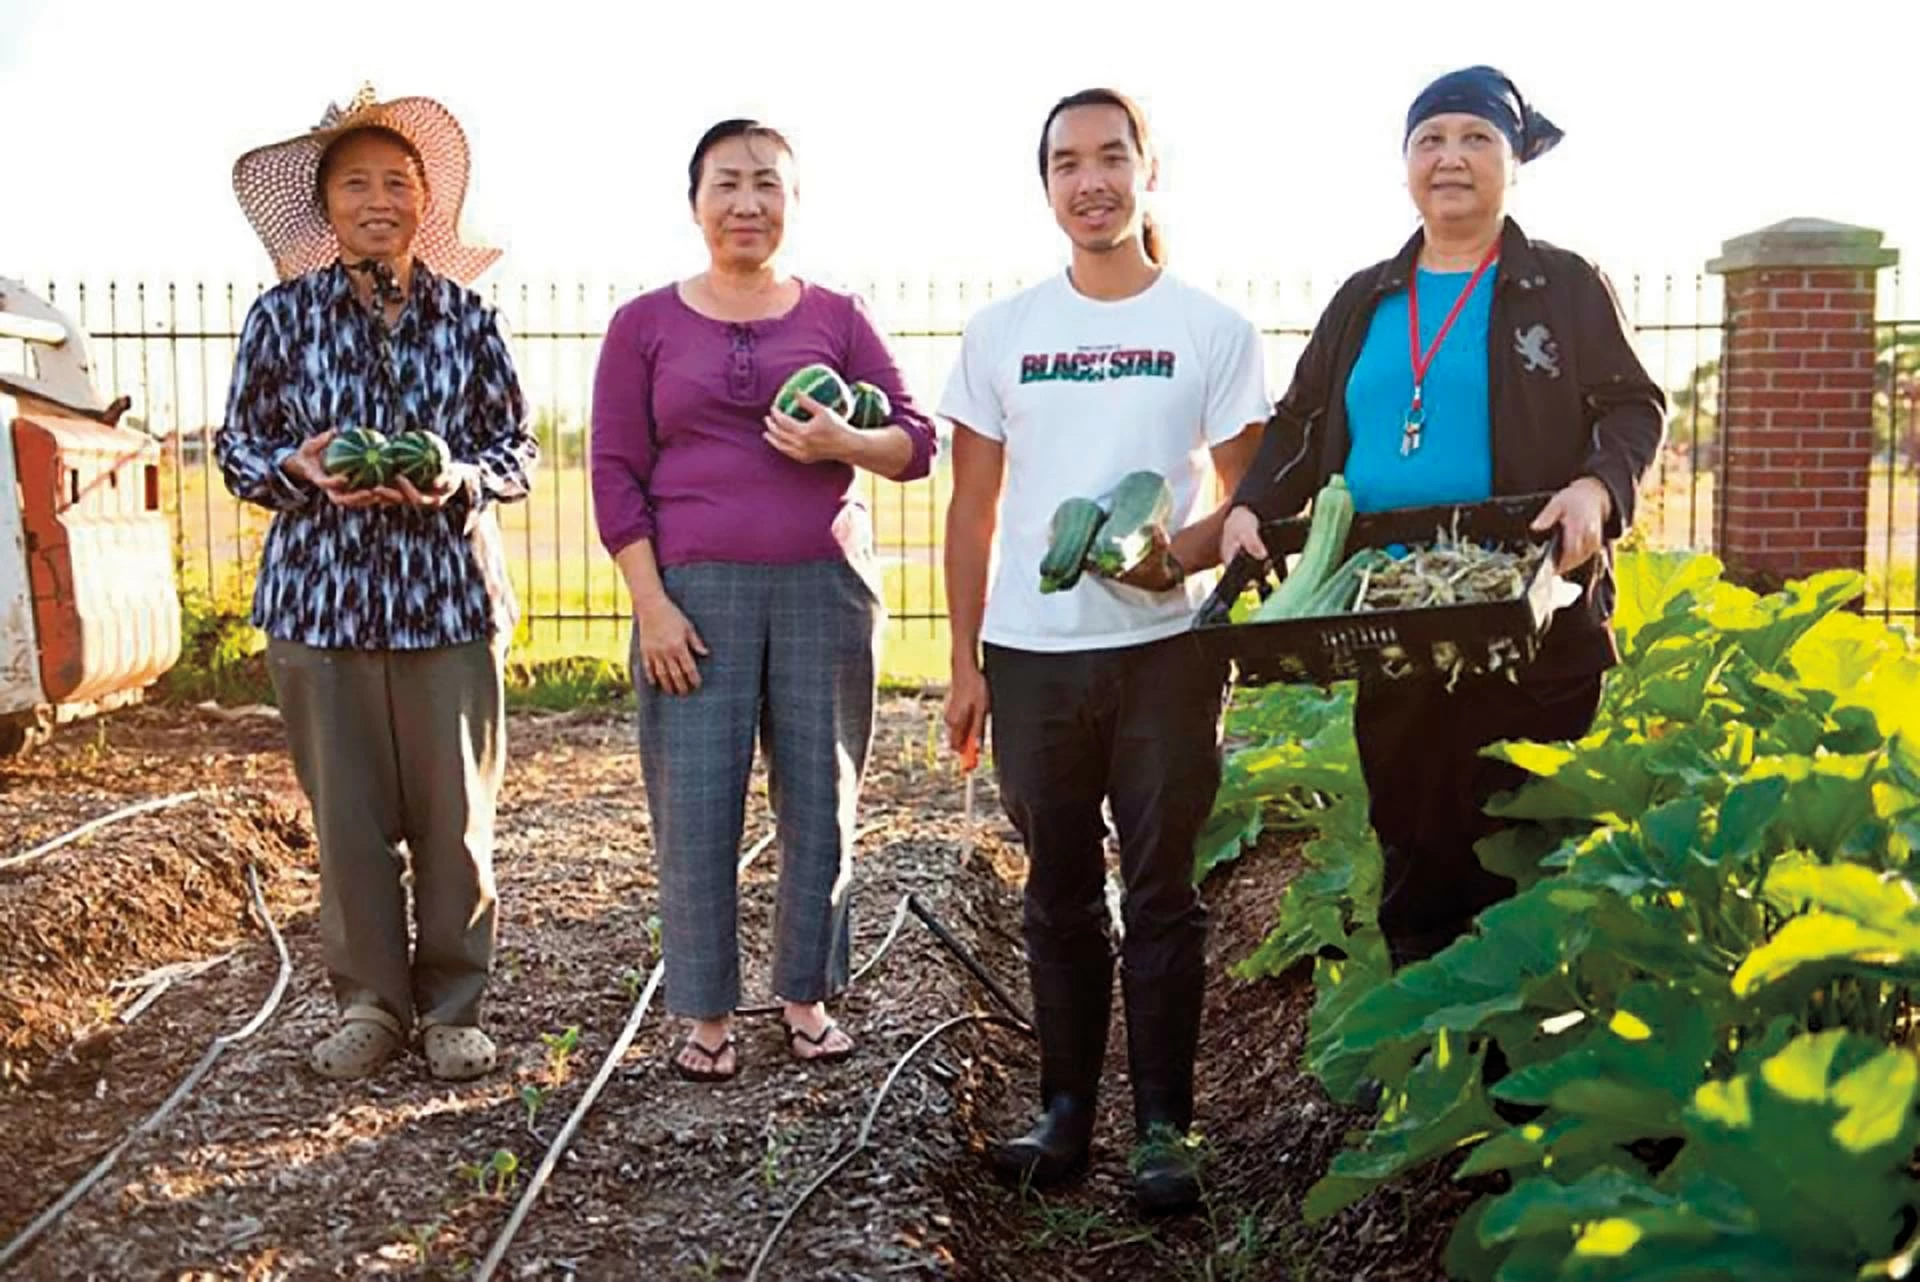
<point>823,436</point>
<point>1159,571</point>
<point>434,494</point>
<point>308,464</point>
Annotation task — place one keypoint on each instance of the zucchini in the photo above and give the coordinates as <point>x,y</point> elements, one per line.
<point>1068,537</point>
<point>1326,538</point>
<point>1139,503</point>
<point>1336,595</point>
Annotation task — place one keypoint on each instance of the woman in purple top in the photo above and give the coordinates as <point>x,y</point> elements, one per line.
<point>755,590</point>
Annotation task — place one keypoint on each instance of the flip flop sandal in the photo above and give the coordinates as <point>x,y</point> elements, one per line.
<point>354,1050</point>
<point>796,1034</point>
<point>709,1073</point>
<point>457,1053</point>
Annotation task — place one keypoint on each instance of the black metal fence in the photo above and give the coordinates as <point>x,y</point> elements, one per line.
<point>1893,505</point>
<point>169,346</point>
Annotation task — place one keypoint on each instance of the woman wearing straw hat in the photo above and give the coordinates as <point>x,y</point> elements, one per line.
<point>386,608</point>
<point>754,584</point>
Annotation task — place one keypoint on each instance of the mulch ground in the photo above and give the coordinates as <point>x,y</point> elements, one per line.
<point>267,1171</point>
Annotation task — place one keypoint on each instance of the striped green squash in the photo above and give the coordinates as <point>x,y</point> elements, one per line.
<point>422,457</point>
<point>359,454</point>
<point>871,408</point>
<point>821,383</point>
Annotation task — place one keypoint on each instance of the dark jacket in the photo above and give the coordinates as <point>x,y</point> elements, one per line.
<point>1568,398</point>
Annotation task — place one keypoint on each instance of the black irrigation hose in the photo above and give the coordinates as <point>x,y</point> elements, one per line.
<point>866,1127</point>
<point>959,950</point>
<point>52,1214</point>
<point>1019,1023</point>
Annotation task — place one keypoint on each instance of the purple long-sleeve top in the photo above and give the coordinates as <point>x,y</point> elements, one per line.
<point>679,406</point>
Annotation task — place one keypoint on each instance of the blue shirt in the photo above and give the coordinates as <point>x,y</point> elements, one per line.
<point>1454,463</point>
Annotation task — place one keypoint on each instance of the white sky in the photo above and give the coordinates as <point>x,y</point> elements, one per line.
<point>1686,123</point>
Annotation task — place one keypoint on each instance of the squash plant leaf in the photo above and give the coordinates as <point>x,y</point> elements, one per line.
<point>1227,834</point>
<point>1518,852</point>
<point>1821,937</point>
<point>1652,584</point>
<point>1442,1107</point>
<point>1339,985</point>
<point>1521,942</point>
<point>1888,903</point>
<point>1746,814</point>
<point>1598,779</point>
<point>1766,628</point>
<point>1827,799</point>
<point>1818,1140</point>
<point>1640,1066</point>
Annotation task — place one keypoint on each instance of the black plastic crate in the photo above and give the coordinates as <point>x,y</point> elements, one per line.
<point>1490,636</point>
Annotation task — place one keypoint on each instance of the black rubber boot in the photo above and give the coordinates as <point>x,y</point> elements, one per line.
<point>1054,1151</point>
<point>1071,1005</point>
<point>1163,1036</point>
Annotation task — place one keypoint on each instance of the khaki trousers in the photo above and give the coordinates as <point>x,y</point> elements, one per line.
<point>401,753</point>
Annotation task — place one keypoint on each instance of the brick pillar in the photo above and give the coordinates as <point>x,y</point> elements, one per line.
<point>1796,409</point>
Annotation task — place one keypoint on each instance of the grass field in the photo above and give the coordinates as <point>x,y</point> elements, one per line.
<point>575,604</point>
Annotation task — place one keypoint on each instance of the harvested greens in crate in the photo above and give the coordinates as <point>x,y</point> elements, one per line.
<point>1443,590</point>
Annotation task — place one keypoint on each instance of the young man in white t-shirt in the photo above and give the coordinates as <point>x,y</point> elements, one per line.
<point>1099,694</point>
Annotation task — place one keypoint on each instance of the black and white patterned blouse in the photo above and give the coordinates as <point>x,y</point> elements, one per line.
<point>311,358</point>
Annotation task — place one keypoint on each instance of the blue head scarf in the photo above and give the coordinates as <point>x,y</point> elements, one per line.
<point>1485,92</point>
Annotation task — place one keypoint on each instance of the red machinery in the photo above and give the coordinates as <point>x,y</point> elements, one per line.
<point>89,611</point>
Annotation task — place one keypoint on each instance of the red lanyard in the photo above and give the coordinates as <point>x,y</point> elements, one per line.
<point>1421,364</point>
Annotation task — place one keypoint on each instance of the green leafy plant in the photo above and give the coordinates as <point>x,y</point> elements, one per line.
<point>778,1144</point>
<point>560,1048</point>
<point>1700,991</point>
<point>495,1177</point>
<point>561,685</point>
<point>222,655</point>
<point>532,1098</point>
<point>421,1238</point>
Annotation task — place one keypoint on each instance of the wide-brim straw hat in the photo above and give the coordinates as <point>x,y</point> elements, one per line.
<point>275,186</point>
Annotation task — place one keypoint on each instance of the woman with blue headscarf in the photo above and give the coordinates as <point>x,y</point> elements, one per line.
<point>1476,362</point>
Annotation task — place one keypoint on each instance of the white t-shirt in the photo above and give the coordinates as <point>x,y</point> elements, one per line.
<point>1080,392</point>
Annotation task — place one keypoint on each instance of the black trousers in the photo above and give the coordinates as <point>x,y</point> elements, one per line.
<point>1138,729</point>
<point>1428,789</point>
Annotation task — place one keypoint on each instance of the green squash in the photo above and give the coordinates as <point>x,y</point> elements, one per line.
<point>1141,501</point>
<point>871,408</point>
<point>1069,536</point>
<point>422,457</point>
<point>822,384</point>
<point>359,455</point>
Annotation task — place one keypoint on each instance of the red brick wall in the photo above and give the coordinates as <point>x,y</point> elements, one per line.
<point>1797,420</point>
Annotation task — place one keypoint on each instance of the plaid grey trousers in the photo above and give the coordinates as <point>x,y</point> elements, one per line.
<point>793,659</point>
